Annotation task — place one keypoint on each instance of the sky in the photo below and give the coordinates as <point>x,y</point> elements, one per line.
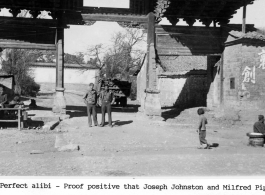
<point>107,3</point>
<point>78,38</point>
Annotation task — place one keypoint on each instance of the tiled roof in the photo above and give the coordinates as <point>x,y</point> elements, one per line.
<point>183,63</point>
<point>249,35</point>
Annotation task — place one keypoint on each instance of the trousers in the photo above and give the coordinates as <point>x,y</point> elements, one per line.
<point>91,110</point>
<point>202,136</point>
<point>106,106</point>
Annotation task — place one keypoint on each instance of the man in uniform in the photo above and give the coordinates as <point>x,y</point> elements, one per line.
<point>106,98</point>
<point>90,99</point>
<point>259,127</point>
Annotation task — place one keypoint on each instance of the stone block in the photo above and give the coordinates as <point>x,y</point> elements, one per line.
<point>69,148</point>
<point>45,119</point>
<point>152,105</point>
<point>60,141</point>
<point>64,117</point>
<point>59,103</point>
<point>50,125</point>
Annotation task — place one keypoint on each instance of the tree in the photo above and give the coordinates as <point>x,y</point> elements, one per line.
<point>17,62</point>
<point>78,58</point>
<point>49,57</point>
<point>96,53</point>
<point>122,57</point>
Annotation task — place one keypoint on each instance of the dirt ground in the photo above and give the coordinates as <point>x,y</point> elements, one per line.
<point>135,146</point>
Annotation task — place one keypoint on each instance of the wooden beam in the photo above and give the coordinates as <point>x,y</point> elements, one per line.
<point>25,45</point>
<point>244,19</point>
<point>73,66</point>
<point>166,29</point>
<point>55,5</point>
<point>10,21</point>
<point>115,18</point>
<point>105,10</point>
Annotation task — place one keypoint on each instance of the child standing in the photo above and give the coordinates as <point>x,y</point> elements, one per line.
<point>202,129</point>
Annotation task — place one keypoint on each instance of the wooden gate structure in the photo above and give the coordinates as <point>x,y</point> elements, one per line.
<point>48,34</point>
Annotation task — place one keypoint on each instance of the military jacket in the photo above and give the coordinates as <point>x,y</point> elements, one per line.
<point>106,96</point>
<point>91,96</point>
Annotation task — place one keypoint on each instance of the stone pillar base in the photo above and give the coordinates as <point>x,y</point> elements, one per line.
<point>142,102</point>
<point>152,105</point>
<point>59,103</point>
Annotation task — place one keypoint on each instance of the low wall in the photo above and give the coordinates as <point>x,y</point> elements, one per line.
<point>68,86</point>
<point>48,75</point>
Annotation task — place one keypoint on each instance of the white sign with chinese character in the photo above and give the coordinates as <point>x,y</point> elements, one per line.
<point>249,74</point>
<point>262,59</point>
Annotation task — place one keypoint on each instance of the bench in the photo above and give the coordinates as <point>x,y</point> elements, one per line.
<point>20,119</point>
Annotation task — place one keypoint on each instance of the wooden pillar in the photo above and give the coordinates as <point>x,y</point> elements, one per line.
<point>222,80</point>
<point>152,105</point>
<point>59,105</point>
<point>244,19</point>
<point>150,50</point>
<point>60,59</point>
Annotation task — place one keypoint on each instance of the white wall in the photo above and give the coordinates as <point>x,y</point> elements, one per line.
<point>75,76</point>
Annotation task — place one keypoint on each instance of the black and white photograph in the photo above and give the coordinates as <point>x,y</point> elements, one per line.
<point>132,89</point>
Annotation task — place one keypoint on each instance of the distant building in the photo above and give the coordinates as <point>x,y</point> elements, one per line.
<point>243,72</point>
<point>223,68</point>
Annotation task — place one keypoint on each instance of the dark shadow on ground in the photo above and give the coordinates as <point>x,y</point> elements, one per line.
<point>27,124</point>
<point>77,111</point>
<point>81,111</point>
<point>171,113</point>
<point>41,108</point>
<point>120,123</point>
<point>214,145</point>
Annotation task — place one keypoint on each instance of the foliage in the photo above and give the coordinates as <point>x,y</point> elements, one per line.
<point>78,58</point>
<point>17,62</point>
<point>49,57</point>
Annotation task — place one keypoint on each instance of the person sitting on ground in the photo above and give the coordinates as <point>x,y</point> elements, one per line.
<point>32,104</point>
<point>259,127</point>
<point>3,102</point>
<point>15,103</point>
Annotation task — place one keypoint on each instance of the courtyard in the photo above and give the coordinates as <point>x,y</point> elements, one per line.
<point>135,146</point>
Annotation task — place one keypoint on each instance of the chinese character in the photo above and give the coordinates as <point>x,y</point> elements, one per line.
<point>262,59</point>
<point>249,75</point>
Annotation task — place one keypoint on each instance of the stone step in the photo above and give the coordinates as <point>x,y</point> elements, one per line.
<point>45,119</point>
